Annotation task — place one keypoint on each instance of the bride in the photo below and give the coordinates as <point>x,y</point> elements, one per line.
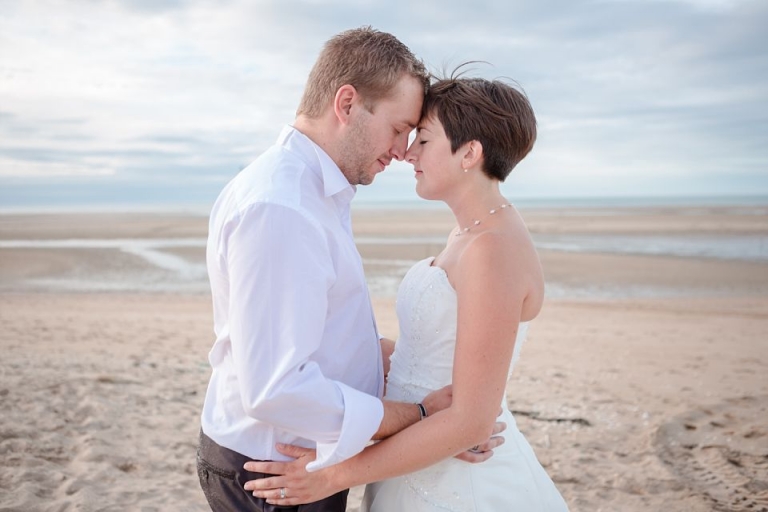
<point>463,316</point>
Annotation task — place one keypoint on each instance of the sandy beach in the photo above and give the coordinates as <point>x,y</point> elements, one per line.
<point>642,386</point>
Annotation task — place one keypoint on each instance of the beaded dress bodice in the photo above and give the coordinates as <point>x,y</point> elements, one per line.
<point>427,312</point>
<point>512,479</point>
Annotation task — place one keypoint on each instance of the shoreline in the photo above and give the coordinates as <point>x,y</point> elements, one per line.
<point>437,221</point>
<point>653,252</point>
<point>418,204</point>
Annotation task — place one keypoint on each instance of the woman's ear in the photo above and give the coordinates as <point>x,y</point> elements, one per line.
<point>473,154</point>
<point>343,101</point>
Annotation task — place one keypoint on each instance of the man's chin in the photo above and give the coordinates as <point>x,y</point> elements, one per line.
<point>367,179</point>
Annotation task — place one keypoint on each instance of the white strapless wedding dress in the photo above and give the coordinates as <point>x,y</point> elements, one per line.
<point>511,480</point>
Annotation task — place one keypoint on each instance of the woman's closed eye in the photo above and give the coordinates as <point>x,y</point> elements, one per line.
<point>400,131</point>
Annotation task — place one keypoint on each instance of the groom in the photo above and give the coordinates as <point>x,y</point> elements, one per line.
<point>297,357</point>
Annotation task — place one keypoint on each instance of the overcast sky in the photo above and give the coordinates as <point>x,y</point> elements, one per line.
<point>169,99</point>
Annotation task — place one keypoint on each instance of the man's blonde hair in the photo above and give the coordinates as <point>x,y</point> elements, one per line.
<point>371,61</point>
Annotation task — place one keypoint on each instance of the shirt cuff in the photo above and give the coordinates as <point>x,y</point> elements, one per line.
<point>362,417</point>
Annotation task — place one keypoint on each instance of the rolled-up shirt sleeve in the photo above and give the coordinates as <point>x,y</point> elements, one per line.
<point>280,271</point>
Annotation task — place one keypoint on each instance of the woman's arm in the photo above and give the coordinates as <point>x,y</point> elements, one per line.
<point>491,289</point>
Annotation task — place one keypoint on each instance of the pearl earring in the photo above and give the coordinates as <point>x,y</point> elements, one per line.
<point>466,170</point>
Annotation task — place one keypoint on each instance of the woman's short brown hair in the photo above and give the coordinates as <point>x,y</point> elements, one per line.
<point>492,112</point>
<point>371,61</point>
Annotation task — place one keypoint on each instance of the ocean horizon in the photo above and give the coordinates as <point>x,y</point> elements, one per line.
<point>371,202</point>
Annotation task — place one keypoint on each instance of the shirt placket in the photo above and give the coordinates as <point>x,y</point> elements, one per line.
<point>346,221</point>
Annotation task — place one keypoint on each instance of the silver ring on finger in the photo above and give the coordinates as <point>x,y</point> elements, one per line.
<point>282,493</point>
<point>475,449</point>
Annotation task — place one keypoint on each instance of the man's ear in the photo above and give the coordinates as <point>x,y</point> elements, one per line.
<point>473,154</point>
<point>345,97</point>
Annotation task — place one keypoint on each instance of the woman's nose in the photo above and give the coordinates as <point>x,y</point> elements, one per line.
<point>410,155</point>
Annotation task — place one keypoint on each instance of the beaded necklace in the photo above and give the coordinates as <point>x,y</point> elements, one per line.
<point>476,223</point>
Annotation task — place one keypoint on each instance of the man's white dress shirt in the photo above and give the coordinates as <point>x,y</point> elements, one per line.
<point>297,357</point>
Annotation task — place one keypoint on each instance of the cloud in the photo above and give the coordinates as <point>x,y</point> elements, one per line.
<point>627,92</point>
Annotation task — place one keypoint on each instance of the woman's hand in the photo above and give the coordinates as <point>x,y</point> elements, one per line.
<point>441,399</point>
<point>484,451</point>
<point>292,484</point>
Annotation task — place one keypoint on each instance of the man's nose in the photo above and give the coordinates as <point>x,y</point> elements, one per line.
<point>399,148</point>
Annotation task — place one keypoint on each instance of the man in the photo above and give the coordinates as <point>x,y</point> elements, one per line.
<point>297,358</point>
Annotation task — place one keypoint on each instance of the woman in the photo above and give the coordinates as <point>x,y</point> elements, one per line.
<point>463,317</point>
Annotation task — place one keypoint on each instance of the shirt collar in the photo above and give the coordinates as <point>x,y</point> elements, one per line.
<point>334,181</point>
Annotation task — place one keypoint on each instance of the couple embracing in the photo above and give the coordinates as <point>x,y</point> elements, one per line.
<point>296,410</point>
